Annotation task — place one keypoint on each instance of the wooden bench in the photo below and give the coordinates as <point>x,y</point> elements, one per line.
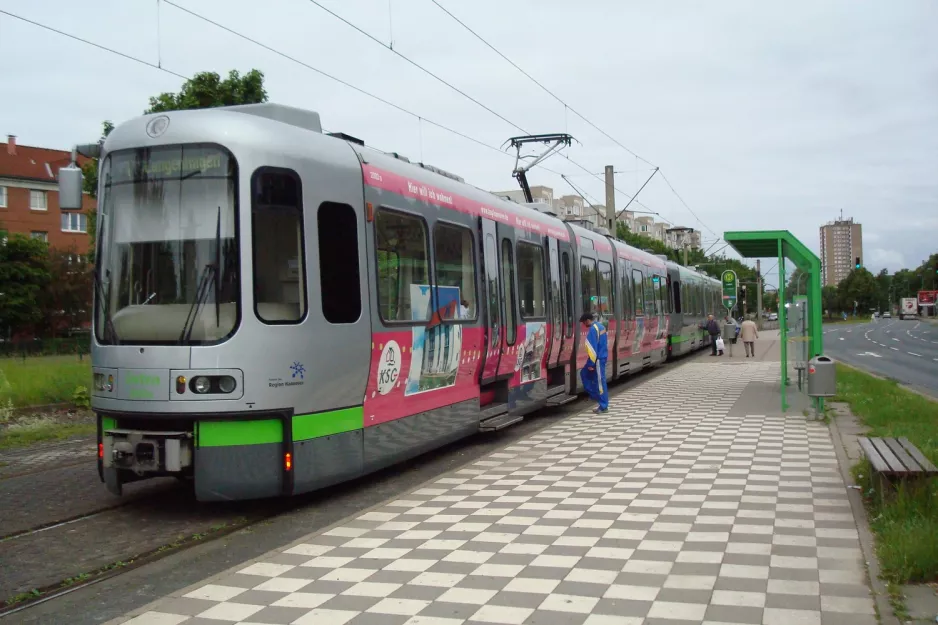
<point>896,459</point>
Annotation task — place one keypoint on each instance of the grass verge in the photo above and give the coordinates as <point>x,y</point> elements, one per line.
<point>41,429</point>
<point>42,380</point>
<point>905,522</point>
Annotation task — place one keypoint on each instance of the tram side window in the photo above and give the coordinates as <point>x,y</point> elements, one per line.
<point>606,302</point>
<point>508,282</point>
<point>455,267</point>
<point>567,294</point>
<point>676,285</point>
<point>638,295</point>
<point>588,279</point>
<point>531,280</point>
<point>340,283</point>
<point>403,268</point>
<point>624,291</point>
<point>651,295</point>
<point>664,295</point>
<point>277,229</point>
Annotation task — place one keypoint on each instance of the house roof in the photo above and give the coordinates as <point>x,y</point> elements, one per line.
<point>32,163</point>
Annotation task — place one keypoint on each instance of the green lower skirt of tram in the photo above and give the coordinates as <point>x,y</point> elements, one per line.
<point>259,432</point>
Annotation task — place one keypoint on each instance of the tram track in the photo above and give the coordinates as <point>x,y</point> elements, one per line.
<point>232,519</point>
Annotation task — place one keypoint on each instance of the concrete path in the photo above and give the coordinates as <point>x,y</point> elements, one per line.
<point>691,501</point>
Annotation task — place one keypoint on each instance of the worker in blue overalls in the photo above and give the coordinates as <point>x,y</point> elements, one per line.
<point>593,374</point>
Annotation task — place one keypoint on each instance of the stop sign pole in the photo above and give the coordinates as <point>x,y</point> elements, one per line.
<point>730,286</point>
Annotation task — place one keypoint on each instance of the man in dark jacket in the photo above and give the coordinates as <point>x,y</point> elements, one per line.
<point>713,329</point>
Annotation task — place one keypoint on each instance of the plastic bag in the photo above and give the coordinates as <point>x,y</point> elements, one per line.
<point>720,345</point>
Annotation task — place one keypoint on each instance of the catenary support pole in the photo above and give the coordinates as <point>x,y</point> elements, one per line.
<point>611,199</point>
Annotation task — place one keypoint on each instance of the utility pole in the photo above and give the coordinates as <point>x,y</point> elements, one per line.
<point>686,245</point>
<point>611,200</point>
<point>758,294</point>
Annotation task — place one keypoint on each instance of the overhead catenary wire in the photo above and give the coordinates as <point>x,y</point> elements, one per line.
<point>156,66</point>
<point>162,68</point>
<point>567,107</point>
<point>466,95</point>
<point>402,109</point>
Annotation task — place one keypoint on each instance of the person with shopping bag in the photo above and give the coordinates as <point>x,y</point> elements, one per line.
<point>712,328</point>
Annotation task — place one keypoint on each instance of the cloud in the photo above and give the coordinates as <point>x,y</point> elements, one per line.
<point>890,259</point>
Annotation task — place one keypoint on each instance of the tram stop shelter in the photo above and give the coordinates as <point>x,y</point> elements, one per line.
<point>799,311</point>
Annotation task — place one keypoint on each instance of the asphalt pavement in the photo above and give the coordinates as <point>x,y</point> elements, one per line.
<point>905,351</point>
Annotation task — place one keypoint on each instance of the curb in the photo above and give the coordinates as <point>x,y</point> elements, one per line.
<point>886,616</point>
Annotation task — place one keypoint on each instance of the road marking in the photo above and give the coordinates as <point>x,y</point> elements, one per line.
<point>914,354</point>
<point>874,355</point>
<point>895,349</point>
<point>841,338</point>
<point>896,340</point>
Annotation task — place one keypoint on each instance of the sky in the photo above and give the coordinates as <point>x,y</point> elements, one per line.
<point>769,115</point>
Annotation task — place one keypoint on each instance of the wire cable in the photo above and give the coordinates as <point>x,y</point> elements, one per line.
<point>567,107</point>
<point>91,43</point>
<point>417,65</point>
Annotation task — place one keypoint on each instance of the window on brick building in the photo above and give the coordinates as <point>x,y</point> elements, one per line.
<point>74,222</point>
<point>37,200</point>
<point>3,197</point>
<point>38,234</point>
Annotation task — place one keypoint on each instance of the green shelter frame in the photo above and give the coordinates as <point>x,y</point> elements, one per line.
<point>783,245</point>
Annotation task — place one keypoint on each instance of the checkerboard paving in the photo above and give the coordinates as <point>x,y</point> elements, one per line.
<point>665,510</point>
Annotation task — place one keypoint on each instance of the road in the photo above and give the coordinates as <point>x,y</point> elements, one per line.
<point>905,351</point>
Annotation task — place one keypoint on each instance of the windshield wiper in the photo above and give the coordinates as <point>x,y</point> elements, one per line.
<point>209,272</point>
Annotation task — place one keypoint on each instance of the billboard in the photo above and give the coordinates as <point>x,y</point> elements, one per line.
<point>927,298</point>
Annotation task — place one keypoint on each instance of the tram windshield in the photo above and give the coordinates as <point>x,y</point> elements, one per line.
<point>168,256</point>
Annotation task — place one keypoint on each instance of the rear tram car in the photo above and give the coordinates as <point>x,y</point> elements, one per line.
<point>278,309</point>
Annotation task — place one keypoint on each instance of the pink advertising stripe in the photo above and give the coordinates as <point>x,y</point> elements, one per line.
<point>387,181</point>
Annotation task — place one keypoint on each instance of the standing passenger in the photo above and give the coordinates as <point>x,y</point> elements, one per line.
<point>593,375</point>
<point>749,333</point>
<point>713,329</point>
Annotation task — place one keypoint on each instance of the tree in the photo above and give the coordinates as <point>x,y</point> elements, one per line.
<point>24,273</point>
<point>208,90</point>
<point>859,286</point>
<point>204,90</point>
<point>829,299</point>
<point>66,302</point>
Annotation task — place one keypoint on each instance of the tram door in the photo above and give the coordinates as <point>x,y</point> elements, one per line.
<point>493,309</point>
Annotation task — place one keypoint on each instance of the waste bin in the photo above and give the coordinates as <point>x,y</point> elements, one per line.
<point>729,332</point>
<point>822,377</point>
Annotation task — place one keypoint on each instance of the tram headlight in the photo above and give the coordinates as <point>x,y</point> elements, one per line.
<point>201,384</point>
<point>226,384</point>
<point>103,382</point>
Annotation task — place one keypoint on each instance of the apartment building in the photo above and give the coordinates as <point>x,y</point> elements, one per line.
<point>841,247</point>
<point>574,208</point>
<point>29,197</point>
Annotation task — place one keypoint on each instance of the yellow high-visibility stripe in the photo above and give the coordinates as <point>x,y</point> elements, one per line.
<point>590,351</point>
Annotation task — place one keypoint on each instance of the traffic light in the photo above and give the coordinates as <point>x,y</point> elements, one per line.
<point>857,262</point>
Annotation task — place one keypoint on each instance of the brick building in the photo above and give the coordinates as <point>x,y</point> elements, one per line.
<point>29,197</point>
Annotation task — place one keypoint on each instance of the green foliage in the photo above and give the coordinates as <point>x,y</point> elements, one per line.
<point>905,522</point>
<point>24,273</point>
<point>208,90</point>
<point>66,301</point>
<point>41,380</point>
<point>859,286</point>
<point>81,398</point>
